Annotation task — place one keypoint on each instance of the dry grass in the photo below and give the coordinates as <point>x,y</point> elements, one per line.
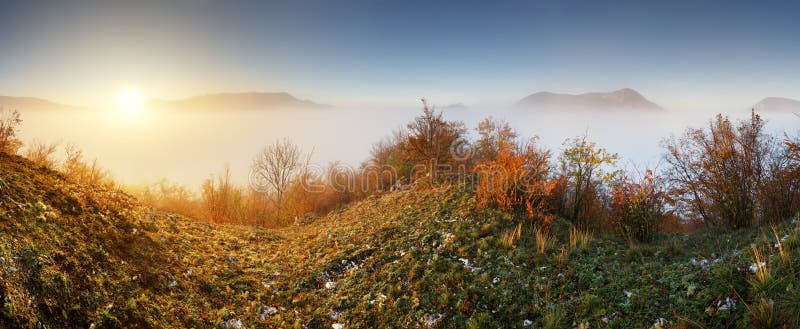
<point>544,240</point>
<point>762,273</point>
<point>510,237</point>
<point>579,239</point>
<point>784,255</point>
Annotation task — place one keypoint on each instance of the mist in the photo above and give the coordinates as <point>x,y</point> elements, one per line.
<point>188,147</point>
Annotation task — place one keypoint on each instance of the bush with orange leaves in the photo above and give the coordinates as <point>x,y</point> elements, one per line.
<point>733,174</point>
<point>638,206</point>
<point>515,175</point>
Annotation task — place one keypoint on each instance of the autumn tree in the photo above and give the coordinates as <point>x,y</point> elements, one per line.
<point>732,174</point>
<point>516,178</point>
<point>273,170</point>
<point>494,136</point>
<point>431,139</point>
<point>385,166</point>
<point>9,125</point>
<point>585,170</point>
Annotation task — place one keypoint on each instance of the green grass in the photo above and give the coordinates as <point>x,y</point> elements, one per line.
<point>75,256</point>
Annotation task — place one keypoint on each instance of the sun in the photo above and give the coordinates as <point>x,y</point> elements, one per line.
<point>130,100</point>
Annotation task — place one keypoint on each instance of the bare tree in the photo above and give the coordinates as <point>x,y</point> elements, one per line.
<point>9,124</point>
<point>274,169</point>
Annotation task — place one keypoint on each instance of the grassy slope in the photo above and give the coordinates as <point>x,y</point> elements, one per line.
<point>73,256</point>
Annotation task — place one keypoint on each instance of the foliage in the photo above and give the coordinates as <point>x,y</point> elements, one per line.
<point>9,124</point>
<point>733,175</point>
<point>168,196</point>
<point>494,136</point>
<point>41,154</point>
<point>584,173</point>
<point>76,255</point>
<point>638,206</point>
<point>87,173</point>
<point>511,175</point>
<point>430,140</point>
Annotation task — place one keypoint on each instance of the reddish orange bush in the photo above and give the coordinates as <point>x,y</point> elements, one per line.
<point>638,206</point>
<point>515,176</point>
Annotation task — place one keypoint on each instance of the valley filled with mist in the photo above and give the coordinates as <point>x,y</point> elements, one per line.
<point>190,145</point>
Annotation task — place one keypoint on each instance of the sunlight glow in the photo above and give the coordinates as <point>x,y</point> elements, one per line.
<point>130,100</point>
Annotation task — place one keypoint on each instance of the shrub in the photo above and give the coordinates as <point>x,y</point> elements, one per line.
<point>638,206</point>
<point>733,175</point>
<point>169,196</point>
<point>429,143</point>
<point>513,176</point>
<point>495,135</point>
<point>585,171</point>
<point>222,200</point>
<point>41,154</point>
<point>9,124</point>
<point>385,166</point>
<point>87,173</point>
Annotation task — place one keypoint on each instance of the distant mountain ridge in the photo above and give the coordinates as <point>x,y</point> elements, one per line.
<point>238,101</point>
<point>778,104</point>
<point>29,103</point>
<point>623,99</point>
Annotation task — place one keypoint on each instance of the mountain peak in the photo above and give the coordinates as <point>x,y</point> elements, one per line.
<point>622,99</point>
<point>29,103</point>
<point>240,101</point>
<point>778,104</point>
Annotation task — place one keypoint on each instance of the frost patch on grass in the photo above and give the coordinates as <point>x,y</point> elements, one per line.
<point>704,264</point>
<point>467,265</point>
<point>727,304</point>
<point>660,323</point>
<point>266,311</point>
<point>754,267</point>
<point>234,324</point>
<point>335,315</point>
<point>430,320</point>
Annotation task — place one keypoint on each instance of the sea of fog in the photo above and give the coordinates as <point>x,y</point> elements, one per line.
<point>188,147</point>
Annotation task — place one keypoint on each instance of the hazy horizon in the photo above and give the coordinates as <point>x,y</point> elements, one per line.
<point>188,147</point>
<point>683,55</point>
<point>373,62</point>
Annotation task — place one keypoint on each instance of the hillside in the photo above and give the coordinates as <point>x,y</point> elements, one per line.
<point>73,256</point>
<point>623,99</point>
<point>237,101</point>
<point>29,103</point>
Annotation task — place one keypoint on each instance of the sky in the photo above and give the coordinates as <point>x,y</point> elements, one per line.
<point>682,55</point>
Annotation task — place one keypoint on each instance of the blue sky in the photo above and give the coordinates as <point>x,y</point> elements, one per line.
<point>693,54</point>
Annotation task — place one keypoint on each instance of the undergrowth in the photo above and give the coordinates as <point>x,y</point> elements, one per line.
<point>75,256</point>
